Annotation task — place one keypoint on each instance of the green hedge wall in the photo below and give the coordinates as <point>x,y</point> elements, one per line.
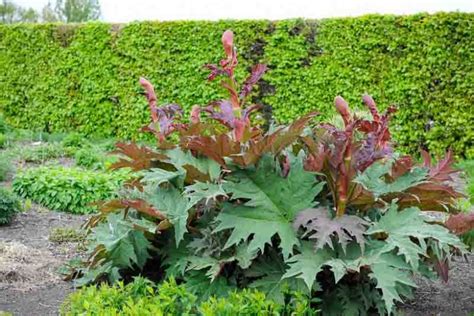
<point>85,77</point>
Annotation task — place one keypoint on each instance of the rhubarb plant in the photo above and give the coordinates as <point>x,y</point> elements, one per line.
<point>333,214</point>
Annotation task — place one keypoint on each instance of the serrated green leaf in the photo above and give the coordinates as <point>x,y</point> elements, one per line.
<point>372,179</point>
<point>244,257</point>
<point>198,283</point>
<point>169,201</point>
<point>402,226</point>
<point>307,264</point>
<point>338,267</point>
<point>157,176</point>
<point>270,278</point>
<point>272,204</point>
<point>387,278</point>
<point>204,191</point>
<point>125,246</point>
<point>245,223</point>
<point>181,159</point>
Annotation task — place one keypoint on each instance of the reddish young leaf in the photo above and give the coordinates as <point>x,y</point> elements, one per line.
<point>460,223</point>
<point>214,147</point>
<point>140,157</point>
<point>257,72</point>
<point>143,207</point>
<point>321,227</point>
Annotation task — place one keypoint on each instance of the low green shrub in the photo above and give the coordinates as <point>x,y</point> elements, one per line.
<point>74,140</point>
<point>39,153</point>
<point>5,167</point>
<point>3,140</point>
<point>67,189</point>
<point>142,297</point>
<point>9,205</point>
<point>89,158</point>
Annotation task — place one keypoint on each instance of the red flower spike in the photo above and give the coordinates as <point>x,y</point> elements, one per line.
<point>195,114</point>
<point>369,101</point>
<point>151,97</point>
<point>228,42</point>
<point>343,108</point>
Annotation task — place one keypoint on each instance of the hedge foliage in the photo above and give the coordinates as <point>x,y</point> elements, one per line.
<point>84,77</point>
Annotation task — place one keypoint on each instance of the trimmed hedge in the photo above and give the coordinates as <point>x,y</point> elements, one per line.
<point>84,77</point>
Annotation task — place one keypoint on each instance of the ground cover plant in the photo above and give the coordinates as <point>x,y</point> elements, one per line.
<point>39,153</point>
<point>333,214</point>
<point>72,189</point>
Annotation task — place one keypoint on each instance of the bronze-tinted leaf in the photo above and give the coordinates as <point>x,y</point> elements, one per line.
<point>460,223</point>
<point>139,157</point>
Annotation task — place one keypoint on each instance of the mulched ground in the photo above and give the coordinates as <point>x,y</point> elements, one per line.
<point>30,286</point>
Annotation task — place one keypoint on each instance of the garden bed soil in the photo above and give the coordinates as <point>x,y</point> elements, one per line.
<point>30,286</point>
<point>29,282</point>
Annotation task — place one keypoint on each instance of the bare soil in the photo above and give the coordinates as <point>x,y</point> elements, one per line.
<point>29,282</point>
<point>30,285</point>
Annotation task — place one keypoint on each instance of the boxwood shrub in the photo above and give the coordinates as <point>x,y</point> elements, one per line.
<point>142,297</point>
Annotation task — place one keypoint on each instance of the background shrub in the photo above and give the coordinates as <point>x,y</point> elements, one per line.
<point>9,205</point>
<point>40,152</point>
<point>89,158</point>
<point>84,77</point>
<point>3,125</point>
<point>67,189</point>
<point>3,141</point>
<point>74,140</point>
<point>5,167</point>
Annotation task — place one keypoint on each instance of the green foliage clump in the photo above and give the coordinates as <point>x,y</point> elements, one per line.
<point>9,205</point>
<point>333,213</point>
<point>39,153</point>
<point>74,140</point>
<point>83,77</point>
<point>142,297</point>
<point>88,158</point>
<point>3,141</point>
<point>60,234</point>
<point>67,189</point>
<point>5,167</point>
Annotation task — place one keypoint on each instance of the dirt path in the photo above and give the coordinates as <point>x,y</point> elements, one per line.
<point>30,286</point>
<point>29,283</point>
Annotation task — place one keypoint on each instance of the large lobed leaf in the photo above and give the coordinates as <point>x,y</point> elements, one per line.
<point>271,204</point>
